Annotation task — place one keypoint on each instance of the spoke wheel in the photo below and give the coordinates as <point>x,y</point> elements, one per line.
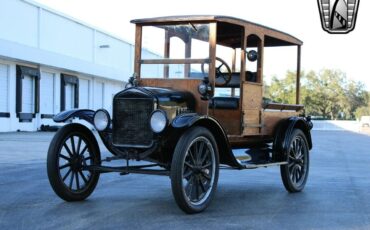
<point>295,173</point>
<point>194,170</point>
<point>72,149</point>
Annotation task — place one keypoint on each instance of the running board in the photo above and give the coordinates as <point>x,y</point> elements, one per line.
<point>137,169</point>
<point>254,166</point>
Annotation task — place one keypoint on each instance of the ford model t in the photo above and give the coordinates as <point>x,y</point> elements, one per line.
<point>186,109</point>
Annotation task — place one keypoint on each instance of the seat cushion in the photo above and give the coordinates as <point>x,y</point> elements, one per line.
<point>224,103</point>
<point>235,79</point>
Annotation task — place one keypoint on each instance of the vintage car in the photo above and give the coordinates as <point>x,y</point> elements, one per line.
<point>185,111</point>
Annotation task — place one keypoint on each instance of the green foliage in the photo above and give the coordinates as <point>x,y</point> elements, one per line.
<point>283,91</point>
<point>363,111</point>
<point>328,93</point>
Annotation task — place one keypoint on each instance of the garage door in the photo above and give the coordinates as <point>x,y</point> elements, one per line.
<point>4,88</point>
<point>70,96</point>
<point>47,93</point>
<point>28,94</point>
<point>84,94</point>
<point>98,95</point>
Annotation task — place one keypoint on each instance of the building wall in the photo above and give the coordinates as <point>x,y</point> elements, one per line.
<point>54,44</point>
<point>38,34</point>
<point>50,95</point>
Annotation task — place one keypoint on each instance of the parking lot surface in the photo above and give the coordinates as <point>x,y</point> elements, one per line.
<point>336,195</point>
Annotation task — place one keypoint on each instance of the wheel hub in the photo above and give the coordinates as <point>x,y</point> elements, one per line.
<point>205,171</point>
<point>200,171</point>
<point>76,163</point>
<point>297,161</point>
<point>197,170</point>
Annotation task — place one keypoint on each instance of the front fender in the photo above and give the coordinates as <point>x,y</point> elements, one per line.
<point>185,121</point>
<point>83,114</point>
<point>88,115</point>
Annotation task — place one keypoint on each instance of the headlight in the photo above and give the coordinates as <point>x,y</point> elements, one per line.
<point>158,121</point>
<point>101,119</point>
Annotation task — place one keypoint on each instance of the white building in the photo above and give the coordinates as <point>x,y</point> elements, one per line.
<point>50,62</point>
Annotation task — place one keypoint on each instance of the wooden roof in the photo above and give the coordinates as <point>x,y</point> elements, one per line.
<point>228,27</point>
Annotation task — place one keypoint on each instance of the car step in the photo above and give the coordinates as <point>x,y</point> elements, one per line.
<point>260,165</point>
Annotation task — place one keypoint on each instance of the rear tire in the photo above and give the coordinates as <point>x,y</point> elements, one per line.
<point>194,170</point>
<point>73,147</point>
<point>294,174</point>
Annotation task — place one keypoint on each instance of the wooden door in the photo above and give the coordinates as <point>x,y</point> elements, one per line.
<point>252,107</point>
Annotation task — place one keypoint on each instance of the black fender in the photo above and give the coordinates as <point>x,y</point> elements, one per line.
<point>184,121</point>
<point>83,114</point>
<point>88,115</point>
<point>284,131</point>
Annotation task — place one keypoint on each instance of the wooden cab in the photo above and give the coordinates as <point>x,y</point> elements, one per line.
<point>230,47</point>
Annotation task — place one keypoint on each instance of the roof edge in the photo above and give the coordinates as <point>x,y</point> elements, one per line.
<point>202,18</point>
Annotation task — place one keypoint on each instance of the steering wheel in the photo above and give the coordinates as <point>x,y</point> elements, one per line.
<point>223,75</point>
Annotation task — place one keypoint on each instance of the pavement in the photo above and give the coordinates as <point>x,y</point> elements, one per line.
<point>365,130</point>
<point>336,195</point>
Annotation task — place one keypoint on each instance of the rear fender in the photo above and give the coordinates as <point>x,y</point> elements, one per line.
<point>285,130</point>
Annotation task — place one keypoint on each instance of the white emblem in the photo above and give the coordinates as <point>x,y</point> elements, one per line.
<point>338,16</point>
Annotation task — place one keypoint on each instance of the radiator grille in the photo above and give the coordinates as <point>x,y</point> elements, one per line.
<point>131,122</point>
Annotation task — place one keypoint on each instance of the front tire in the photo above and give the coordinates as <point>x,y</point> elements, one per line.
<point>72,148</point>
<point>295,173</point>
<point>194,170</point>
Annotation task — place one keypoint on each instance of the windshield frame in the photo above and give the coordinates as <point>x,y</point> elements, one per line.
<point>166,60</point>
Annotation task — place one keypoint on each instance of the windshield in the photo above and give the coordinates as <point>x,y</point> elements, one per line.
<point>174,51</point>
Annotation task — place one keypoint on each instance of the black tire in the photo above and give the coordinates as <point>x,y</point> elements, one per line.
<point>195,169</point>
<point>76,145</point>
<point>295,173</point>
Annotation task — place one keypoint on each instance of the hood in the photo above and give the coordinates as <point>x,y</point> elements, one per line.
<point>165,97</point>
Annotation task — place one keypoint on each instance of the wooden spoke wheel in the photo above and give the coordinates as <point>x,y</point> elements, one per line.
<point>295,173</point>
<point>194,170</point>
<point>73,148</point>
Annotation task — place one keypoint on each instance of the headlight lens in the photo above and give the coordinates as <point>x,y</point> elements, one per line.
<point>101,119</point>
<point>158,121</point>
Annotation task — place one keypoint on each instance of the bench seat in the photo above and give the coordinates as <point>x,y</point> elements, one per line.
<point>224,103</point>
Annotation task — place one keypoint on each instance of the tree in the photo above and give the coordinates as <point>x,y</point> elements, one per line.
<point>356,97</point>
<point>327,93</point>
<point>324,93</point>
<point>282,90</point>
<point>363,110</point>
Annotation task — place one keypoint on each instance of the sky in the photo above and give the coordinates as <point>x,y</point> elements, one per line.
<point>349,52</point>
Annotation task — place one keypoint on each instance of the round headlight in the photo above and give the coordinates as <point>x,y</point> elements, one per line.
<point>101,119</point>
<point>158,121</point>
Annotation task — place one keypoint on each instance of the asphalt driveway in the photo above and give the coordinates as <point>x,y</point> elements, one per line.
<point>336,196</point>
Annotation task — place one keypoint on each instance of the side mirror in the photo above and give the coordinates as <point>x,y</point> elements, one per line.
<point>252,55</point>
